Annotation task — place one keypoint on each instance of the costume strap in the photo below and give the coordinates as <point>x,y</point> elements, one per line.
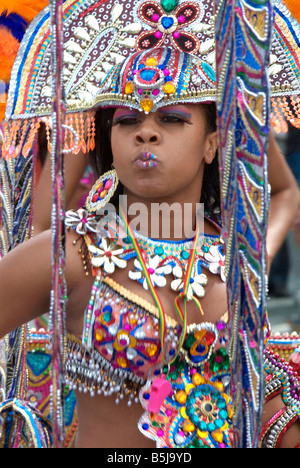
<point>242,57</point>
<point>58,296</point>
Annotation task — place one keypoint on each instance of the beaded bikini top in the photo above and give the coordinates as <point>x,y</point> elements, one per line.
<point>120,345</point>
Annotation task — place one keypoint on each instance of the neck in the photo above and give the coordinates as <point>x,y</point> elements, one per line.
<point>163,219</point>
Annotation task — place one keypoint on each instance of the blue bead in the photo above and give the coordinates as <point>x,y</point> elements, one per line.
<point>148,75</point>
<point>168,78</point>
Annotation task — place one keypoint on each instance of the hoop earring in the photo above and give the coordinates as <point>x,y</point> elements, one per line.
<point>102,191</point>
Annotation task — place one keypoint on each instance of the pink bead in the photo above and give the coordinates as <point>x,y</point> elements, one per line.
<point>140,91</point>
<point>158,35</point>
<point>160,432</point>
<point>155,92</point>
<point>155,18</point>
<point>181,19</point>
<point>176,35</point>
<point>108,184</point>
<point>166,72</point>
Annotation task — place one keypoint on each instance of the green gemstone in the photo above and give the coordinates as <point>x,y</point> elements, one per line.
<point>169,5</point>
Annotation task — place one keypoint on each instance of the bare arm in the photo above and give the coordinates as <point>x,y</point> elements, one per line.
<point>26,282</point>
<point>285,199</point>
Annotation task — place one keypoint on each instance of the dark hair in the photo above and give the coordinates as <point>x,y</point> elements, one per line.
<point>102,158</point>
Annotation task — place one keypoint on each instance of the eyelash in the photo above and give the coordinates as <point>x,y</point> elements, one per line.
<point>171,118</point>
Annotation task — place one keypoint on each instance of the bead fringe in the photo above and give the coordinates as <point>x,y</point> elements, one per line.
<point>19,135</point>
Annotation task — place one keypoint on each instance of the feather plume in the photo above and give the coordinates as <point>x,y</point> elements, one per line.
<point>294,7</point>
<point>28,9</point>
<point>15,16</point>
<point>9,47</point>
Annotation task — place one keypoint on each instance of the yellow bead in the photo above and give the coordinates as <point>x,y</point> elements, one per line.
<point>129,88</point>
<point>169,88</point>
<point>188,426</point>
<point>188,388</point>
<point>197,379</point>
<point>183,413</point>
<point>103,194</point>
<point>122,362</point>
<point>151,62</point>
<point>98,336</point>
<point>146,104</point>
<point>181,397</point>
<point>219,386</point>
<point>201,434</point>
<point>151,350</point>
<point>217,435</point>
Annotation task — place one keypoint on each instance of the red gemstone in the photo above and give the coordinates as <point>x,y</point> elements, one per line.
<point>294,361</point>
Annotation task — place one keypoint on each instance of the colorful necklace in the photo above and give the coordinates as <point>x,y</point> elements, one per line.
<point>182,314</point>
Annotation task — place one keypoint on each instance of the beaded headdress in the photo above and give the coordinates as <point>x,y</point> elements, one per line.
<point>142,54</point>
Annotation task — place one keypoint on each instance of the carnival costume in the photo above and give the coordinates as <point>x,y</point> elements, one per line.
<point>202,385</point>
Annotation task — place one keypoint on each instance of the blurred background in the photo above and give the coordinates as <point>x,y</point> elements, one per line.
<point>284,281</point>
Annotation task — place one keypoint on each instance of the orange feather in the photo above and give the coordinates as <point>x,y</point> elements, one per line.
<point>294,7</point>
<point>28,9</point>
<point>9,47</point>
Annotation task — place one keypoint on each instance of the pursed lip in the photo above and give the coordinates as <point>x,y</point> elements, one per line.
<point>146,160</point>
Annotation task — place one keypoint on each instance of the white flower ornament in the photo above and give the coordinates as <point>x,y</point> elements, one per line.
<point>156,273</point>
<point>107,256</point>
<point>216,260</point>
<point>196,283</point>
<point>81,221</point>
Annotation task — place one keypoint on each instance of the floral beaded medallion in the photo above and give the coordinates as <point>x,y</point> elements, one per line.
<point>197,412</point>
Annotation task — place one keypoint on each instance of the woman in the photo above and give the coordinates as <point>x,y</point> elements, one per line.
<point>147,314</point>
<point>182,131</point>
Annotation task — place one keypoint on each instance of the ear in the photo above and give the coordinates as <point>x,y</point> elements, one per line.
<point>211,147</point>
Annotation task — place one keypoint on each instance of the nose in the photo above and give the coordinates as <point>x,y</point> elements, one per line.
<point>148,132</point>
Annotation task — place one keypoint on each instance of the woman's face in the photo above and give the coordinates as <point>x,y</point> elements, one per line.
<point>161,156</point>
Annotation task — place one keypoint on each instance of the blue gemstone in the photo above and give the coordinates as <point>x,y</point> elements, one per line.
<point>167,22</point>
<point>203,426</point>
<point>145,427</point>
<point>107,308</point>
<point>146,396</point>
<point>148,75</point>
<point>200,349</point>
